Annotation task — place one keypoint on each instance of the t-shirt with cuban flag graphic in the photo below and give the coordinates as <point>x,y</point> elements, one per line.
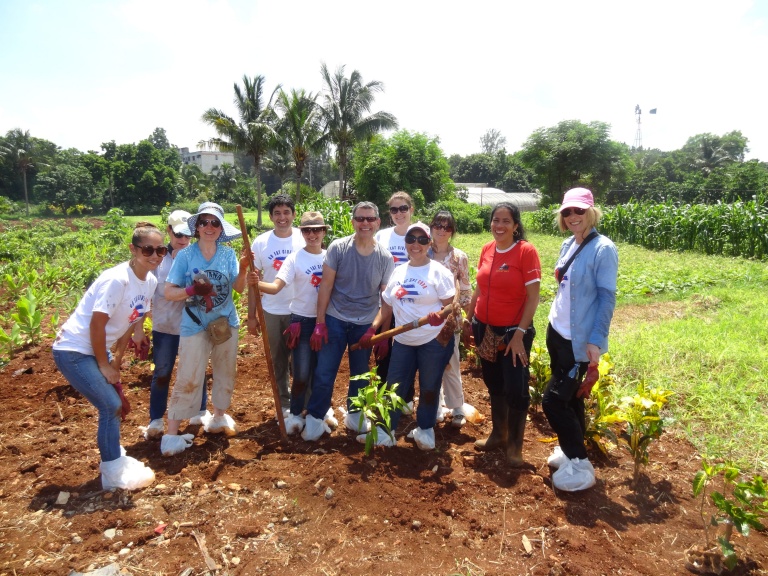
<point>395,243</point>
<point>269,254</point>
<point>118,293</point>
<point>415,291</point>
<point>303,271</point>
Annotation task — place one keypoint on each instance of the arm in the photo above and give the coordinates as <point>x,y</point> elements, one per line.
<point>324,292</point>
<point>98,333</point>
<point>516,346</point>
<point>239,284</point>
<point>272,287</point>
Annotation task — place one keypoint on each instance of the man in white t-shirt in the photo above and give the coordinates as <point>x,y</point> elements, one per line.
<point>270,250</point>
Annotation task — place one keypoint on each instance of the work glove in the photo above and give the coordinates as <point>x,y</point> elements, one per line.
<point>365,339</point>
<point>201,286</point>
<point>141,351</point>
<point>319,337</point>
<point>593,375</point>
<point>125,409</point>
<point>381,349</point>
<point>434,319</point>
<point>292,334</point>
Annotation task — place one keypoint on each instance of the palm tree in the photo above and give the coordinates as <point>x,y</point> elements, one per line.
<point>345,105</point>
<point>254,134</point>
<point>225,177</point>
<point>194,178</point>
<point>19,149</point>
<point>299,128</point>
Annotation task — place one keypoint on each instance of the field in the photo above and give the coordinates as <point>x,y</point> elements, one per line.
<point>255,505</point>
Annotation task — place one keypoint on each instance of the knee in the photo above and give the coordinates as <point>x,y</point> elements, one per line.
<point>163,381</point>
<point>429,397</point>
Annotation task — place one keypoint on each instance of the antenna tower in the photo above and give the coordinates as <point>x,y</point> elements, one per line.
<point>639,134</point>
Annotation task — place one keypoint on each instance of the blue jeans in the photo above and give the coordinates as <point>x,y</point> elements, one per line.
<point>430,360</point>
<point>165,348</point>
<point>304,362</point>
<point>340,335</point>
<point>83,374</point>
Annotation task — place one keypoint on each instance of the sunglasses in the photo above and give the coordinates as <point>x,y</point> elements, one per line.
<point>578,211</point>
<point>365,218</point>
<point>203,223</point>
<point>410,239</point>
<point>310,230</point>
<point>149,250</point>
<point>395,209</point>
<point>446,227</point>
<point>180,235</point>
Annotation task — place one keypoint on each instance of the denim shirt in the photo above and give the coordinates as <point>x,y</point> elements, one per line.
<point>592,276</point>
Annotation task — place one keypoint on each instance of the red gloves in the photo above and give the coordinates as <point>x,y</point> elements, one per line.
<point>141,352</point>
<point>434,319</point>
<point>380,348</point>
<point>201,286</point>
<point>365,339</point>
<point>593,375</point>
<point>126,406</point>
<point>319,337</point>
<point>292,334</point>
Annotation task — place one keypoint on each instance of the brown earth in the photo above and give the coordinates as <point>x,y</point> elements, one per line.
<point>254,505</point>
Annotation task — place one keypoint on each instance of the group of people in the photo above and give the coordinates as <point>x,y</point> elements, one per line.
<point>319,303</point>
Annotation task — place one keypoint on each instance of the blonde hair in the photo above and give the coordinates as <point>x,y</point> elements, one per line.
<point>591,216</point>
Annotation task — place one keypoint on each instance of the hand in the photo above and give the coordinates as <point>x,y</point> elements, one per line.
<point>517,349</point>
<point>201,286</point>
<point>466,334</point>
<point>434,319</point>
<point>126,406</point>
<point>381,348</point>
<point>253,278</point>
<point>365,339</point>
<point>245,262</point>
<point>140,350</point>
<point>110,373</point>
<point>253,325</point>
<point>593,375</point>
<point>319,337</point>
<point>292,334</point>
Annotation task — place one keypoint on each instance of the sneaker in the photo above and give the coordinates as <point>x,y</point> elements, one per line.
<point>175,444</point>
<point>200,420</point>
<point>294,424</point>
<point>442,412</point>
<point>221,424</point>
<point>330,419</point>
<point>382,438</point>
<point>352,421</point>
<point>425,439</point>
<point>574,475</point>
<point>155,429</point>
<point>314,428</point>
<point>126,473</point>
<point>458,419</point>
<point>557,458</point>
<point>408,408</point>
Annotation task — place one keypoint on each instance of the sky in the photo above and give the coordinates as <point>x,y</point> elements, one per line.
<point>83,72</point>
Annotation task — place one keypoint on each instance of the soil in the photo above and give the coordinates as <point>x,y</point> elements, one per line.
<point>253,504</point>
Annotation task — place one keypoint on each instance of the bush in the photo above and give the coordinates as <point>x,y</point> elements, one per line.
<point>470,218</point>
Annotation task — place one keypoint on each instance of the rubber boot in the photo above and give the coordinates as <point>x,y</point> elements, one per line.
<point>516,434</point>
<point>498,437</point>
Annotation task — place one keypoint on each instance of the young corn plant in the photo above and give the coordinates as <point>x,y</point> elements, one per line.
<point>375,402</point>
<point>540,375</point>
<point>28,317</point>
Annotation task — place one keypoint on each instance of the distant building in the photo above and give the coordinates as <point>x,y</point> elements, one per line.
<point>484,196</point>
<point>207,160</point>
<point>332,189</point>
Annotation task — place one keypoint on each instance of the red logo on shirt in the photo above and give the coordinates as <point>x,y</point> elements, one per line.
<point>315,280</point>
<point>134,315</point>
<point>400,292</point>
<point>276,264</point>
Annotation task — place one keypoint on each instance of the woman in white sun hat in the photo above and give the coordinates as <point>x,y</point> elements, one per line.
<point>577,334</point>
<point>204,274</point>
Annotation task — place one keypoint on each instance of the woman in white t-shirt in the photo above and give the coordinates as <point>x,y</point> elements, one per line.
<point>303,270</point>
<point>104,317</point>
<point>420,288</point>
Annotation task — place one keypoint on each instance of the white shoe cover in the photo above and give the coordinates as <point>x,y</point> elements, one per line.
<point>557,458</point>
<point>352,421</point>
<point>125,472</point>
<point>314,428</point>
<point>201,419</point>
<point>574,475</point>
<point>330,419</point>
<point>425,439</point>
<point>171,444</point>
<point>221,424</point>
<point>442,412</point>
<point>155,429</point>
<point>294,424</point>
<point>458,419</point>
<point>382,438</point>
<point>408,408</point>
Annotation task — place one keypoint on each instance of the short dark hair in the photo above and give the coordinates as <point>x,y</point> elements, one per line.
<point>281,200</point>
<point>515,213</point>
<point>444,217</point>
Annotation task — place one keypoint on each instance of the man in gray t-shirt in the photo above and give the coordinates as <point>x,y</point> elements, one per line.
<point>355,271</point>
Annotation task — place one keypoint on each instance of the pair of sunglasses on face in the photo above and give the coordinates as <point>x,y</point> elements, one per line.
<point>395,209</point>
<point>203,223</point>
<point>365,218</point>
<point>149,250</point>
<point>180,235</point>
<point>410,239</point>
<point>578,211</point>
<point>310,230</point>
<point>446,227</point>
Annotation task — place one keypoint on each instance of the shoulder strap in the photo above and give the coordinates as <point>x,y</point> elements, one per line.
<point>560,272</point>
<point>192,315</point>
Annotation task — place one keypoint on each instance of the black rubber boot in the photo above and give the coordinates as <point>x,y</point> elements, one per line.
<point>516,435</point>
<point>498,437</point>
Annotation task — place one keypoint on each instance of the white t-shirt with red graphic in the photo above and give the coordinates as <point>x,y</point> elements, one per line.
<point>269,253</point>
<point>303,271</point>
<point>118,293</point>
<point>395,243</point>
<point>415,291</point>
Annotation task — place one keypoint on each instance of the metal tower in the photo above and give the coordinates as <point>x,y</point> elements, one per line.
<point>639,134</point>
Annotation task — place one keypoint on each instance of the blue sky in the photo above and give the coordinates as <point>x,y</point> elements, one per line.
<point>83,72</point>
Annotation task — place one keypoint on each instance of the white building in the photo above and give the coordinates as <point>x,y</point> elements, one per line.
<point>207,160</point>
<point>484,196</point>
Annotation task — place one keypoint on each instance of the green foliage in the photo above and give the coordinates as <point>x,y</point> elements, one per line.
<point>470,218</point>
<point>600,405</point>
<point>336,213</point>
<point>540,374</point>
<point>375,402</point>
<point>28,317</point>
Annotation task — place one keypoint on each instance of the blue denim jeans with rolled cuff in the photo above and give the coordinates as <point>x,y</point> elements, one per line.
<point>341,334</point>
<point>430,360</point>
<point>83,374</point>
<point>304,363</point>
<point>165,348</point>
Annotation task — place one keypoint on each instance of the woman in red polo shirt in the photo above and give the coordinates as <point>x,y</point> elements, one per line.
<point>503,305</point>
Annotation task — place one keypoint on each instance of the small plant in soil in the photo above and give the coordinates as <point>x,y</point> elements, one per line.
<point>540,375</point>
<point>600,404</point>
<point>375,402</point>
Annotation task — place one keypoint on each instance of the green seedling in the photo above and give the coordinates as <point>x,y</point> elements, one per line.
<point>375,402</point>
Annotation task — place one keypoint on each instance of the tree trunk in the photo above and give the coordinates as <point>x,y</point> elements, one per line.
<point>257,165</point>
<point>26,197</point>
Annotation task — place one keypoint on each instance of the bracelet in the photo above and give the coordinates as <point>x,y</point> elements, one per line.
<point>523,330</point>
